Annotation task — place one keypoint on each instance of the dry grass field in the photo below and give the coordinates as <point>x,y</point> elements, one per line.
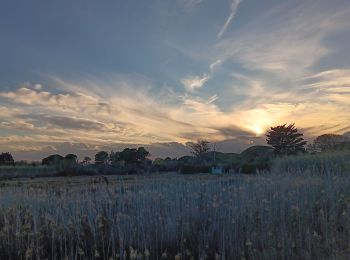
<point>172,216</point>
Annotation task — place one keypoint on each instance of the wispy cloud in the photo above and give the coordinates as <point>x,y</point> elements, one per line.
<point>66,101</point>
<point>330,81</point>
<point>282,46</point>
<point>194,82</point>
<point>213,66</point>
<point>233,10</point>
<point>142,117</point>
<point>137,116</point>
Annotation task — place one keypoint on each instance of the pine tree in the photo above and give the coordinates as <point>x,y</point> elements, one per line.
<point>286,140</point>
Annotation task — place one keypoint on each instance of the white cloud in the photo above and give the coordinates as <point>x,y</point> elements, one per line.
<point>38,86</point>
<point>286,41</point>
<point>233,10</point>
<point>140,116</point>
<point>62,101</point>
<point>213,66</point>
<point>194,82</point>
<point>330,81</point>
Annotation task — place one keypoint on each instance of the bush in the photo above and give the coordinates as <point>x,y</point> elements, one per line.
<point>190,169</point>
<point>255,158</point>
<point>26,171</point>
<point>253,167</point>
<point>166,165</point>
<point>78,171</point>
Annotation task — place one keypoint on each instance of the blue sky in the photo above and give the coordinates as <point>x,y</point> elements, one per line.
<point>101,74</point>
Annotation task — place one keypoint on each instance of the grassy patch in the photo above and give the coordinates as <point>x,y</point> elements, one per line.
<point>255,217</point>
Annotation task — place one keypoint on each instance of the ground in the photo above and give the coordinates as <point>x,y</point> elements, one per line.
<point>172,215</point>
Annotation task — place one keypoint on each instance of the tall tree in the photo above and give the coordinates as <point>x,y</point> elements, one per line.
<point>114,157</point>
<point>101,157</point>
<point>285,140</point>
<point>71,158</point>
<point>142,154</point>
<point>133,155</point>
<point>199,148</point>
<point>128,155</point>
<point>6,159</point>
<point>70,161</point>
<point>54,159</point>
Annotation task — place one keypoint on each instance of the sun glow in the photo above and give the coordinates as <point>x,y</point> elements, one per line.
<point>258,130</point>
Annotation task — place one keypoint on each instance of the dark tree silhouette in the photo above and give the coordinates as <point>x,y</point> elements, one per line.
<point>285,140</point>
<point>70,161</point>
<point>133,155</point>
<point>86,160</point>
<point>54,159</point>
<point>71,158</point>
<point>6,159</point>
<point>199,148</point>
<point>101,157</point>
<point>114,157</point>
<point>142,154</point>
<point>328,142</point>
<point>128,155</point>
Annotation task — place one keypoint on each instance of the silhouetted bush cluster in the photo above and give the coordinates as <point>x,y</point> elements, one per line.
<point>190,169</point>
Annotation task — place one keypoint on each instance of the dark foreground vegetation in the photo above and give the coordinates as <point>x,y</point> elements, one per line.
<point>169,216</point>
<point>295,206</point>
<point>284,141</point>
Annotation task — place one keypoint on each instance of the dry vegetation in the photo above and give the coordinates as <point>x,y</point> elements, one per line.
<point>177,217</point>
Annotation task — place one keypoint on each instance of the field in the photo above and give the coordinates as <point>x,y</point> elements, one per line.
<point>18,171</point>
<point>172,216</point>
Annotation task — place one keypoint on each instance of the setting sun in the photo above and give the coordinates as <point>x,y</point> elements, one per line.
<point>258,130</point>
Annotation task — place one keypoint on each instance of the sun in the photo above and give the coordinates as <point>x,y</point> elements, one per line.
<point>258,130</point>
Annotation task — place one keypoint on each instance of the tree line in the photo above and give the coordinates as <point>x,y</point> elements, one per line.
<point>283,140</point>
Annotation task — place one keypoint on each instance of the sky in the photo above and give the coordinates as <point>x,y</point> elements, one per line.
<point>84,75</point>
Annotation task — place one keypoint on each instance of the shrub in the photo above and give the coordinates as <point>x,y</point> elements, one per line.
<point>255,158</point>
<point>166,165</point>
<point>253,167</point>
<point>190,169</point>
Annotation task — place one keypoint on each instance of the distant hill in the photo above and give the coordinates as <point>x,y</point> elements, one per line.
<point>222,158</point>
<point>257,151</point>
<point>248,161</point>
<point>255,158</point>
